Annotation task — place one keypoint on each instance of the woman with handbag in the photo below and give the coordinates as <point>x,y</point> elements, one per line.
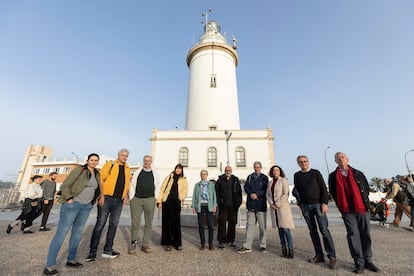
<point>31,207</point>
<point>173,191</point>
<point>79,192</point>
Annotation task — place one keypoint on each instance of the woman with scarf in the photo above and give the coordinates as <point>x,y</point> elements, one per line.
<point>204,203</point>
<point>173,191</point>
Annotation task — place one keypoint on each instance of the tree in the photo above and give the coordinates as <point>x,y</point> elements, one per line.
<point>376,184</point>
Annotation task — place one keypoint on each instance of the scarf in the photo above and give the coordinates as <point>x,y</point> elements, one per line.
<point>348,193</point>
<point>204,193</point>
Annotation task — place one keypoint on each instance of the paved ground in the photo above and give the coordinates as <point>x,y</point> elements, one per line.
<point>26,254</point>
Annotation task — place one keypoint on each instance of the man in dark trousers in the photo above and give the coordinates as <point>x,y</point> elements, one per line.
<point>313,201</point>
<point>115,180</point>
<point>49,192</point>
<point>229,197</point>
<point>350,189</point>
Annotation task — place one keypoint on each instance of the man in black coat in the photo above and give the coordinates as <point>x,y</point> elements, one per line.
<point>350,190</point>
<point>229,198</point>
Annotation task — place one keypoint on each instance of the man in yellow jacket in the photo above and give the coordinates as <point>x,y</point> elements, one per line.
<point>115,180</point>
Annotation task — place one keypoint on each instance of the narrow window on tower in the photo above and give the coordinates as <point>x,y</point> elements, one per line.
<point>213,83</point>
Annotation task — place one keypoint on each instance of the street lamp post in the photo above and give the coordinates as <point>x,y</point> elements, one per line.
<point>406,162</point>
<point>326,160</point>
<point>76,156</point>
<point>228,135</point>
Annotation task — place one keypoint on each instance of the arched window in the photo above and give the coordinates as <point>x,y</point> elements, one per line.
<point>240,157</point>
<point>183,157</point>
<point>212,157</point>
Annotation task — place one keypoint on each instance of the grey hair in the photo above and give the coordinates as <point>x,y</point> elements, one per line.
<point>301,156</point>
<point>387,180</point>
<point>145,156</point>
<point>338,153</point>
<point>257,163</point>
<point>123,150</point>
<point>202,171</point>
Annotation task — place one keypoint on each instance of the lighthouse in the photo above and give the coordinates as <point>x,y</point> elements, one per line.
<point>212,91</point>
<point>212,138</point>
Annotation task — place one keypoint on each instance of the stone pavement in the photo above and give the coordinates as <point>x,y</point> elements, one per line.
<point>26,254</point>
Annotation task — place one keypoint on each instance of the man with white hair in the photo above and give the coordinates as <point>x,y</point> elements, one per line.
<point>350,190</point>
<point>145,184</point>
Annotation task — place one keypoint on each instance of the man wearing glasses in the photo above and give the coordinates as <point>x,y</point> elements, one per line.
<point>314,205</point>
<point>229,198</point>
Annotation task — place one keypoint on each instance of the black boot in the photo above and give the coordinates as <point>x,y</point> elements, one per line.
<point>284,252</point>
<point>290,254</point>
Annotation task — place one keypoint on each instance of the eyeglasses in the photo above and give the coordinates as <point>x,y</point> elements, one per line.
<point>302,161</point>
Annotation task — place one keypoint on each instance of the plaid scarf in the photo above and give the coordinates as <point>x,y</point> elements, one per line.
<point>204,193</point>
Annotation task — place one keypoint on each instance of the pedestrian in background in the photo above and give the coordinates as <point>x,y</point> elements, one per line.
<point>31,206</point>
<point>400,199</point>
<point>49,193</point>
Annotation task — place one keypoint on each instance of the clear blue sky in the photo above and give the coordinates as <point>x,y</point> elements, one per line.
<point>96,76</point>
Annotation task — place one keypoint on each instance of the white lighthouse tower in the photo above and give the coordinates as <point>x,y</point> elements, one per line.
<point>212,91</point>
<point>212,138</point>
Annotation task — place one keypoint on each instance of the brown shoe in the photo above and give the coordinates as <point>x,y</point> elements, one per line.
<point>332,263</point>
<point>316,259</point>
<point>202,247</point>
<point>132,250</point>
<point>146,249</point>
<point>211,247</point>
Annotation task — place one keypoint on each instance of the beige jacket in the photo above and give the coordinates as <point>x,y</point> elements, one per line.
<point>280,199</point>
<point>166,188</point>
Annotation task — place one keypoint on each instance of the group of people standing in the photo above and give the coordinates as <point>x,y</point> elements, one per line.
<point>112,187</point>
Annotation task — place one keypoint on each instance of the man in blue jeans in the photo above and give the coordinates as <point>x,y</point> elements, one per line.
<point>312,197</point>
<point>115,180</point>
